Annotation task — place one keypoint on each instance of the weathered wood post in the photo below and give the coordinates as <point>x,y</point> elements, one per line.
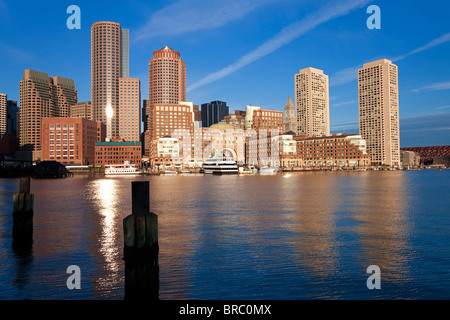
<point>23,214</point>
<point>141,246</point>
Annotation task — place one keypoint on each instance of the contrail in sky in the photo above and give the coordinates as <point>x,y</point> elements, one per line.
<point>285,36</point>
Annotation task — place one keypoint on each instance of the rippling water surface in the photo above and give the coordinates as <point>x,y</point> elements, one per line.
<point>309,236</point>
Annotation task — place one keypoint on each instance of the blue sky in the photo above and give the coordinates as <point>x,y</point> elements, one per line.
<point>247,52</point>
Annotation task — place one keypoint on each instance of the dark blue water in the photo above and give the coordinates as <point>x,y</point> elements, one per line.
<point>309,236</point>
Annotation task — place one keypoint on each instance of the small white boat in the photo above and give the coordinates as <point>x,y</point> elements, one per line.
<point>169,172</point>
<point>268,170</point>
<point>126,168</point>
<point>287,175</point>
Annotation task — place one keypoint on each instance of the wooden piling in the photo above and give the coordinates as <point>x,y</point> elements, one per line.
<point>23,214</point>
<point>141,247</point>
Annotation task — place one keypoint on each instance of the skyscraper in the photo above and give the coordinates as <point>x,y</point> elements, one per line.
<point>167,77</point>
<point>290,122</point>
<point>130,109</point>
<point>41,97</point>
<point>312,103</point>
<point>379,111</point>
<point>12,117</point>
<point>213,112</point>
<point>109,62</point>
<point>3,114</point>
<point>167,82</point>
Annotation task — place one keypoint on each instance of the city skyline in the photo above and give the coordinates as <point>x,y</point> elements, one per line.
<point>340,44</point>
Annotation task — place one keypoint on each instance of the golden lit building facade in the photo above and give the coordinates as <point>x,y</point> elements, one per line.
<point>379,111</point>
<point>333,151</point>
<point>41,97</point>
<point>109,62</point>
<point>81,110</point>
<point>130,109</point>
<point>312,103</point>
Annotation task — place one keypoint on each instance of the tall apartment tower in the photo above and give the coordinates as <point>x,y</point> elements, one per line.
<point>3,114</point>
<point>312,103</point>
<point>290,122</point>
<point>41,97</point>
<point>167,77</point>
<point>213,112</point>
<point>379,111</point>
<point>167,82</point>
<point>109,62</point>
<point>130,109</point>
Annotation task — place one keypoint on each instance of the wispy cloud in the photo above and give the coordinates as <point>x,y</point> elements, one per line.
<point>185,16</point>
<point>442,108</point>
<point>442,39</point>
<point>339,104</point>
<point>433,87</point>
<point>350,74</point>
<point>285,36</point>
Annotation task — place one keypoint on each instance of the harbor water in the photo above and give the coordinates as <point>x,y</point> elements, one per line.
<point>311,235</point>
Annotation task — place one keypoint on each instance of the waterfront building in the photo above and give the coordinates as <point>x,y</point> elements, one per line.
<point>41,97</point>
<point>430,155</point>
<point>312,103</point>
<point>274,151</point>
<point>290,121</point>
<point>226,139</point>
<point>213,112</point>
<point>333,151</point>
<point>109,62</point>
<point>409,158</point>
<point>3,114</point>
<point>130,109</point>
<point>117,152</point>
<point>81,110</point>
<point>379,111</point>
<point>71,141</point>
<point>166,153</point>
<point>175,120</point>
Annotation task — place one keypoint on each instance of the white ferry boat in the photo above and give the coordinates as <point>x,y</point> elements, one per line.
<point>220,165</point>
<point>268,170</point>
<point>122,169</point>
